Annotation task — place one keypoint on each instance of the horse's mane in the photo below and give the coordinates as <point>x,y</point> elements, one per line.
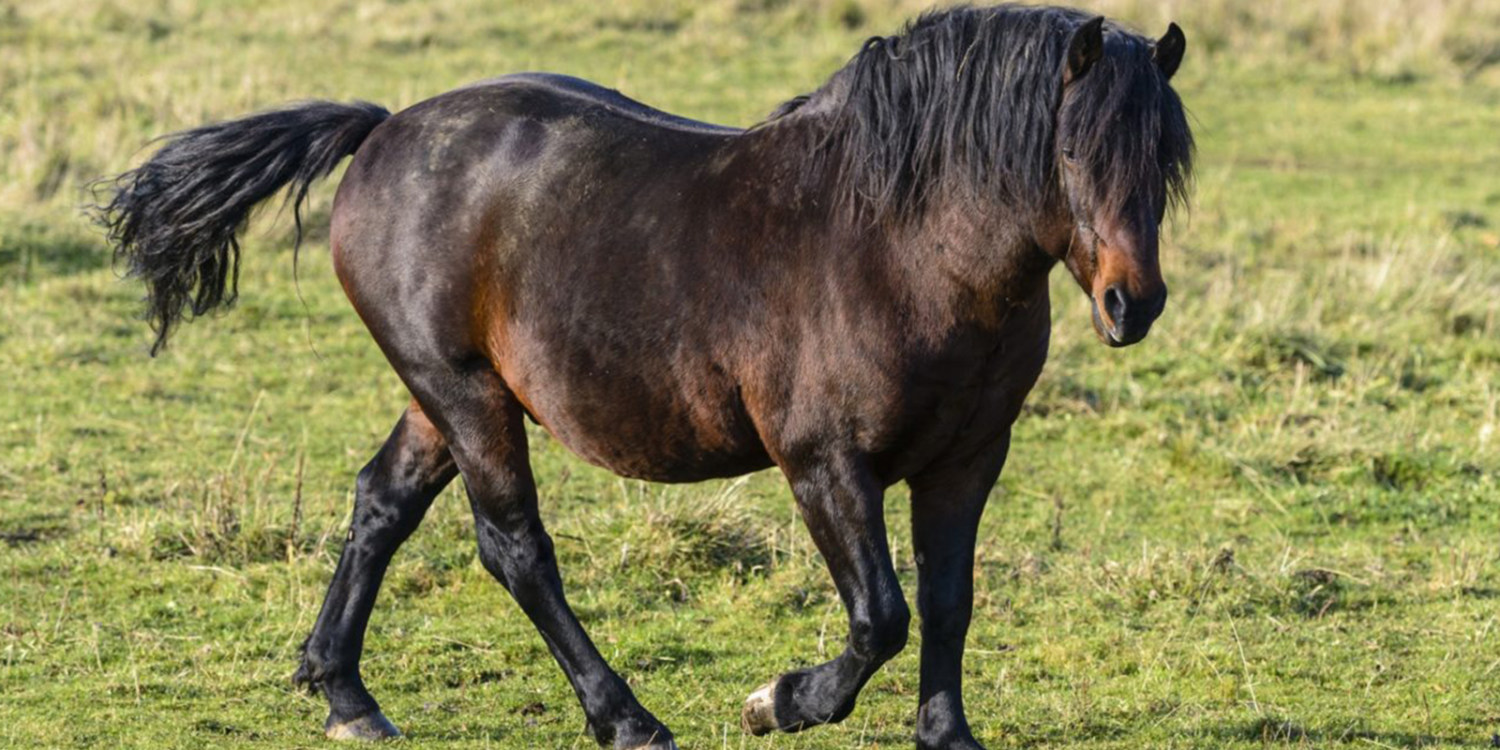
<point>968,98</point>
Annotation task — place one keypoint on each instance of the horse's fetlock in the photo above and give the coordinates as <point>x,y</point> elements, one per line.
<point>310,674</point>
<point>319,669</point>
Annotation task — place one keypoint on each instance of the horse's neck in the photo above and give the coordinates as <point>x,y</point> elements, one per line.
<point>827,101</point>
<point>956,265</point>
<point>969,269</point>
<point>974,260</point>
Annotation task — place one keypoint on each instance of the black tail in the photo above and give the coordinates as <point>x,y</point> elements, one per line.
<point>173,219</point>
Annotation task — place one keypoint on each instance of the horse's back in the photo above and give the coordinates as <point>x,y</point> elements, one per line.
<point>525,126</point>
<point>504,163</point>
<point>588,93</point>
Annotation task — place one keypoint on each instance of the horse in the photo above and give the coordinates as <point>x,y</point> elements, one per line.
<point>853,291</point>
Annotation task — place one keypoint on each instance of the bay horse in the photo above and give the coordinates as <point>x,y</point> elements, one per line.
<point>853,291</point>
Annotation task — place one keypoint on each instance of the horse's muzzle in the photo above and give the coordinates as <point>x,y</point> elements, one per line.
<point>1122,320</point>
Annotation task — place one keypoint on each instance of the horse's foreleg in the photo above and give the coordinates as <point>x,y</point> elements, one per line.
<point>393,493</point>
<point>484,422</point>
<point>842,506</point>
<point>946,504</point>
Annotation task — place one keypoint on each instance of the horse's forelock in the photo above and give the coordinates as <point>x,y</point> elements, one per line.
<point>1129,128</point>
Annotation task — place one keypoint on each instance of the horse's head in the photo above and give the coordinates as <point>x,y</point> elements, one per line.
<point>1124,151</point>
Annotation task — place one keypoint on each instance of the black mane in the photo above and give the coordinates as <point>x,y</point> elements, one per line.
<point>967,99</point>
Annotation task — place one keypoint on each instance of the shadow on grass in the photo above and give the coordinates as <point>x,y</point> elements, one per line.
<point>33,528</point>
<point>1271,731</point>
<point>30,251</point>
<point>468,732</point>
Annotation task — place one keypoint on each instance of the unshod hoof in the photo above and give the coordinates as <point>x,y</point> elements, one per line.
<point>372,726</point>
<point>668,745</point>
<point>759,715</point>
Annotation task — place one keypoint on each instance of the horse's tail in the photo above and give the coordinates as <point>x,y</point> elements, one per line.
<point>173,220</point>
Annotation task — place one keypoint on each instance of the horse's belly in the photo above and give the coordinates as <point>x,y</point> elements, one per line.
<point>647,430</point>
<point>657,449</point>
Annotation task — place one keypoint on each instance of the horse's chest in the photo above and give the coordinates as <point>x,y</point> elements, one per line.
<point>964,404</point>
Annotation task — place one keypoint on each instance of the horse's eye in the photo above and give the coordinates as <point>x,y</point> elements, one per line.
<point>1068,154</point>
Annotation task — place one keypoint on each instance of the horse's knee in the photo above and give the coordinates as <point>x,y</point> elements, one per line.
<point>882,632</point>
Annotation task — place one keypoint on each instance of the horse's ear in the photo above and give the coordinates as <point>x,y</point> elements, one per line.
<point>1084,49</point>
<point>1167,53</point>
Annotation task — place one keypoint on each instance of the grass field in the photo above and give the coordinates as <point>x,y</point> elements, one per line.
<point>1272,524</point>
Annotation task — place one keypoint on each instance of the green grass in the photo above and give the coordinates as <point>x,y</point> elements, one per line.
<point>1272,524</point>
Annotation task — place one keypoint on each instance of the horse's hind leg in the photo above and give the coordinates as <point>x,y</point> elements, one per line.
<point>842,505</point>
<point>483,422</point>
<point>392,494</point>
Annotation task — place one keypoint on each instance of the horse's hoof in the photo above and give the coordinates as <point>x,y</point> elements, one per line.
<point>658,739</point>
<point>759,714</point>
<point>371,726</point>
<point>668,745</point>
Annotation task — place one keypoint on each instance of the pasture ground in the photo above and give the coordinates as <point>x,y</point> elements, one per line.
<point>1272,524</point>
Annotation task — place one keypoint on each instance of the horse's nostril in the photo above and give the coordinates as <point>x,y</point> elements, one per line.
<point>1115,305</point>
